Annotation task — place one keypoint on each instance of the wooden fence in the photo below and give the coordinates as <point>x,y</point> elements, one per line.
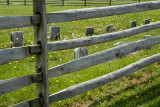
<point>40,20</point>
<point>71,2</point>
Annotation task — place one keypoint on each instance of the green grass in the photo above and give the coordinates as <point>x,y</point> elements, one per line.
<point>138,89</point>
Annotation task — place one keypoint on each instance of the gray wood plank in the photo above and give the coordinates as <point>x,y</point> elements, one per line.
<point>74,43</point>
<point>80,14</point>
<point>102,80</point>
<point>103,56</point>
<point>8,22</point>
<point>14,54</point>
<point>40,36</point>
<point>9,85</point>
<point>31,103</point>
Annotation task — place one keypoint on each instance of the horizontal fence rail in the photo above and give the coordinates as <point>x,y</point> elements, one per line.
<point>8,22</point>
<point>74,43</point>
<point>97,82</point>
<point>75,65</point>
<point>13,54</point>
<point>103,56</point>
<point>94,83</point>
<point>17,83</point>
<point>80,14</point>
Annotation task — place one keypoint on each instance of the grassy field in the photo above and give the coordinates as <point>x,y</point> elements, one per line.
<point>141,88</point>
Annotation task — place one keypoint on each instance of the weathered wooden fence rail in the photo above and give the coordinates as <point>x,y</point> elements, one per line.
<point>40,49</point>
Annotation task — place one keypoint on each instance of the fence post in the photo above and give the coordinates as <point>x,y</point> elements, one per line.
<point>89,31</point>
<point>25,2</point>
<point>110,2</point>
<point>8,2</point>
<point>85,2</point>
<point>62,2</point>
<point>40,37</point>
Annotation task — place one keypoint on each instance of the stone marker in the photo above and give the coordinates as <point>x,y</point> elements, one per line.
<point>89,31</point>
<point>109,28</point>
<point>133,24</point>
<point>146,37</point>
<point>146,21</point>
<point>16,39</point>
<point>80,52</point>
<point>119,43</point>
<point>55,33</point>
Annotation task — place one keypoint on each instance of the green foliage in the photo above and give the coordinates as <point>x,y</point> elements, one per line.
<point>139,88</point>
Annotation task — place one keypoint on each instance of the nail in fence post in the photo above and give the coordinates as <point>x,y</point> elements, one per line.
<point>133,24</point>
<point>146,21</point>
<point>89,31</point>
<point>16,39</point>
<point>55,33</point>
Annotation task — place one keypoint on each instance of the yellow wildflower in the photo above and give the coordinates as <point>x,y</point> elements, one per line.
<point>71,81</point>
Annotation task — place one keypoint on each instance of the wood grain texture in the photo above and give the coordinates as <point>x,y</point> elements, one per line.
<point>80,14</point>
<point>9,85</point>
<point>97,82</point>
<point>8,22</point>
<point>40,37</point>
<point>74,43</point>
<point>14,54</point>
<point>31,103</point>
<point>94,83</point>
<point>103,56</point>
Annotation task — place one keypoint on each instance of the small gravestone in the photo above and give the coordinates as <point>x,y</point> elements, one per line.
<point>146,21</point>
<point>16,39</point>
<point>89,31</point>
<point>80,52</point>
<point>146,37</point>
<point>109,28</point>
<point>55,33</point>
<point>119,43</point>
<point>133,24</point>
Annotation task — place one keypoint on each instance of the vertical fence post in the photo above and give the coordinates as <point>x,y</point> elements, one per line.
<point>85,2</point>
<point>40,36</point>
<point>110,2</point>
<point>8,2</point>
<point>25,2</point>
<point>62,2</point>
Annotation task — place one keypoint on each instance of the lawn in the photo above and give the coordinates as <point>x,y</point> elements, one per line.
<point>141,88</point>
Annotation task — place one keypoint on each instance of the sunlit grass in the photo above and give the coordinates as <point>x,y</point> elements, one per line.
<point>120,92</point>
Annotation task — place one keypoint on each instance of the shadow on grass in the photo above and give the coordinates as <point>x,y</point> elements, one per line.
<point>148,93</point>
